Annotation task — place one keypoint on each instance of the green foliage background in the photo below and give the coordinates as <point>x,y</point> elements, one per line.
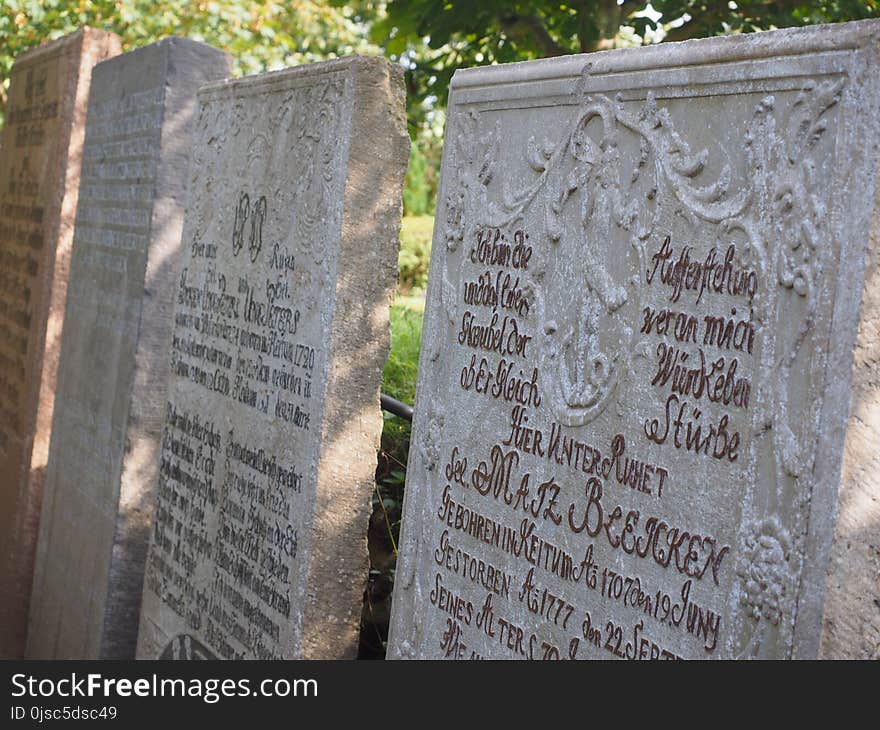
<point>430,38</point>
<point>260,35</point>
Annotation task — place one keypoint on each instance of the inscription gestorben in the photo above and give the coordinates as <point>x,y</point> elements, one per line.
<point>631,290</point>
<point>280,332</point>
<point>39,179</point>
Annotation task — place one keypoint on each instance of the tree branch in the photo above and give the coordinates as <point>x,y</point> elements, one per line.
<point>606,17</point>
<point>628,6</point>
<point>681,33</point>
<point>532,26</point>
<point>701,22</point>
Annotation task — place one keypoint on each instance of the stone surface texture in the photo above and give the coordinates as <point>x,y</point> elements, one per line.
<point>851,626</point>
<point>280,336</point>
<point>634,403</point>
<point>39,181</point>
<point>103,464</point>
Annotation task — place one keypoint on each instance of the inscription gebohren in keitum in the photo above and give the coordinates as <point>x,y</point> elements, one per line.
<point>652,537</point>
<point>497,479</point>
<point>537,499</point>
<point>676,608</point>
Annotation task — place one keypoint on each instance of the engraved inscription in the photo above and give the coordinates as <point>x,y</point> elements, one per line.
<point>31,124</point>
<point>237,464</point>
<point>605,311</point>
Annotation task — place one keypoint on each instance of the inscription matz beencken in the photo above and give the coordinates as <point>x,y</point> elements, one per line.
<point>624,386</point>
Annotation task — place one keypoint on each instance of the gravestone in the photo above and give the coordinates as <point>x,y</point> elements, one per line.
<point>635,376</point>
<point>268,456</point>
<point>39,180</point>
<point>113,371</point>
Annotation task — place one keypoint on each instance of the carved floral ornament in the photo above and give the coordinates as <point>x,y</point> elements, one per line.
<point>430,441</point>
<point>315,135</point>
<point>764,569</point>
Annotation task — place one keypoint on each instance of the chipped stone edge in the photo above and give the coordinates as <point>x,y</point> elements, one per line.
<point>701,51</point>
<point>359,342</point>
<point>840,462</point>
<point>283,78</point>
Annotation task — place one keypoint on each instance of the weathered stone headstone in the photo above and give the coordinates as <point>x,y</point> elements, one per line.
<point>637,352</point>
<point>103,464</point>
<point>39,180</point>
<point>280,334</point>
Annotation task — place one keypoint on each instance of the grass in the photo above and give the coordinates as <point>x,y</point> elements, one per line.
<point>401,372</point>
<point>416,232</point>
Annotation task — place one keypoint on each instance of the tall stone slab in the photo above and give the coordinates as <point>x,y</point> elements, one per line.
<point>103,464</point>
<point>280,334</point>
<point>645,290</point>
<point>39,181</point>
